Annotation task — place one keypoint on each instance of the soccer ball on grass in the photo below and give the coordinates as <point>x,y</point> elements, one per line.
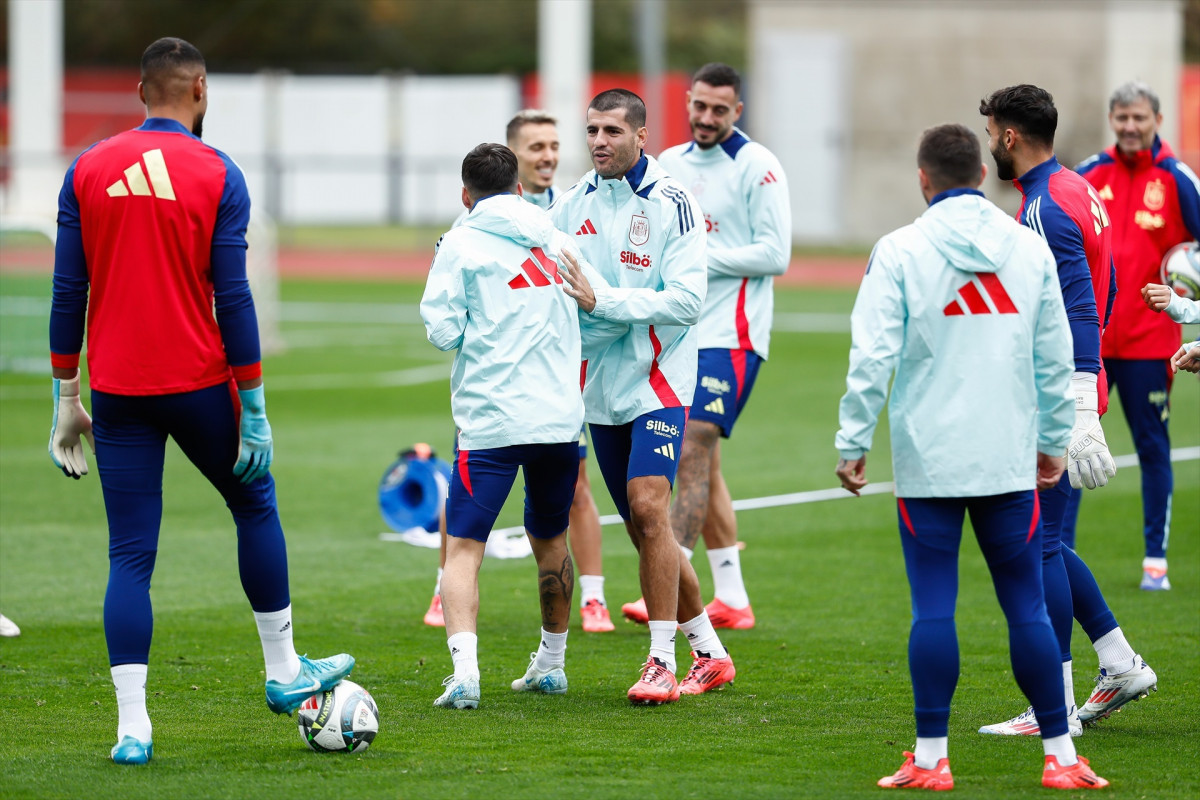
<point>344,719</point>
<point>1181,270</point>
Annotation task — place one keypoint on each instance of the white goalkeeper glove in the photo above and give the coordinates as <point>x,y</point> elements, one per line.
<point>70,422</point>
<point>1088,461</point>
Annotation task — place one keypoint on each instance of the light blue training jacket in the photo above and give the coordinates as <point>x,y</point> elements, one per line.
<point>964,307</point>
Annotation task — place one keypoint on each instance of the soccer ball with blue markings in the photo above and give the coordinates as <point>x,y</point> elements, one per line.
<point>1181,270</point>
<point>344,719</point>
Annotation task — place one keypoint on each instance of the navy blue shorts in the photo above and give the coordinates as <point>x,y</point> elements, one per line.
<point>650,445</point>
<point>481,480</point>
<point>724,379</point>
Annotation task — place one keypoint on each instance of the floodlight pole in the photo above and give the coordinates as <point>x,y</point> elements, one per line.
<point>35,70</point>
<point>652,53</point>
<point>564,75</point>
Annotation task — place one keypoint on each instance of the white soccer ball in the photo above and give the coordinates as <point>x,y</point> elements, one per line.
<point>343,720</point>
<point>1181,269</point>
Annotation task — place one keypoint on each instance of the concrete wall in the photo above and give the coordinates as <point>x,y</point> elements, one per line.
<point>909,64</point>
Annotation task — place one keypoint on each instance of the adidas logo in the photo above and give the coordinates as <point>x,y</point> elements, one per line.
<point>691,636</point>
<point>977,301</point>
<point>139,183</point>
<point>770,178</point>
<point>453,651</point>
<point>667,450</point>
<point>726,563</point>
<point>716,406</point>
<point>586,228</point>
<point>539,273</point>
<point>286,626</point>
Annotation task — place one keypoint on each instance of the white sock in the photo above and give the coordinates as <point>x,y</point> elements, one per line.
<point>1069,686</point>
<point>1062,747</point>
<point>279,653</point>
<point>687,552</point>
<point>464,652</point>
<point>1154,563</point>
<point>702,638</point>
<point>132,719</point>
<point>552,652</point>
<point>929,751</point>
<point>728,587</point>
<point>1116,656</point>
<point>437,587</point>
<point>662,641</point>
<point>591,587</point>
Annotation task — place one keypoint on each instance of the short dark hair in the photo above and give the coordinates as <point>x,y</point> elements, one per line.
<point>165,62</point>
<point>611,100</point>
<point>950,157</point>
<point>489,169</point>
<point>528,116</point>
<point>718,74</point>
<point>1027,108</point>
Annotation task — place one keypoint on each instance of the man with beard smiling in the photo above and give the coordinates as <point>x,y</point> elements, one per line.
<point>744,193</point>
<point>640,229</point>
<point>1066,211</point>
<point>153,223</point>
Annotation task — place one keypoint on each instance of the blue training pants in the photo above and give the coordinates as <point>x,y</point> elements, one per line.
<point>1008,529</point>
<point>131,435</point>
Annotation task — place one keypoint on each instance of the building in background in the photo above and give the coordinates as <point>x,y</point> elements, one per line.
<point>842,89</point>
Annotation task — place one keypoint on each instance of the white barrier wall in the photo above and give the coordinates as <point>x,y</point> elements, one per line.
<point>356,149</point>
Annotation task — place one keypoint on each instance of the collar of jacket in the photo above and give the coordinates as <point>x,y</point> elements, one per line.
<point>1039,174</point>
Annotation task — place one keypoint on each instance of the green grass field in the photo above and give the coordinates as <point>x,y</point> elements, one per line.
<point>822,703</point>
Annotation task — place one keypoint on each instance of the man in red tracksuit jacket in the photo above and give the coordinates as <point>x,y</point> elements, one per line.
<point>1153,200</point>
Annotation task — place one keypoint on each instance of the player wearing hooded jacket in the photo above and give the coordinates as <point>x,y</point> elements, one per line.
<point>964,307</point>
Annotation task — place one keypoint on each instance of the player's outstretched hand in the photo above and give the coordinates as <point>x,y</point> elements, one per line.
<point>853,474</point>
<point>69,424</point>
<point>1156,296</point>
<point>577,285</point>
<point>1187,358</point>
<point>1049,470</point>
<point>255,449</point>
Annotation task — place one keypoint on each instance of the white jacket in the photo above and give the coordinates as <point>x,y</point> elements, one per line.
<point>965,307</point>
<point>644,234</point>
<point>495,295</point>
<point>748,217</point>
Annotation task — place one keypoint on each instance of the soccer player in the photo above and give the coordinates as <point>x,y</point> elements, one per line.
<point>532,135</point>
<point>1065,210</point>
<point>153,222</point>
<point>743,192</point>
<point>1153,200</point>
<point>964,307</point>
<point>640,229</point>
<point>494,297</point>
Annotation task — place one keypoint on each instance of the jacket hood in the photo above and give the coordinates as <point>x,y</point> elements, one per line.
<point>509,216</point>
<point>966,230</point>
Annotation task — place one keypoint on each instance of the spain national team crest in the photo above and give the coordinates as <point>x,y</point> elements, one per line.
<point>639,230</point>
<point>1155,195</point>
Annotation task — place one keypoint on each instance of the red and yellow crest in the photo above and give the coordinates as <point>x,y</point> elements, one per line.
<point>1155,195</point>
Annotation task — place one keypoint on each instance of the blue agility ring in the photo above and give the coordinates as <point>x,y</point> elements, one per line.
<point>412,490</point>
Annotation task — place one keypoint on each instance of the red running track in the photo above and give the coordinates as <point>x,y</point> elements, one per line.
<point>832,271</point>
